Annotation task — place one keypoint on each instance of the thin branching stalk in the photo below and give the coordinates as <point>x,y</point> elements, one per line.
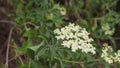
<point>21,60</point>
<point>8,46</point>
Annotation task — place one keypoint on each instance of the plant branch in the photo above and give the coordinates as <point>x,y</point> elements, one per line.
<point>8,46</point>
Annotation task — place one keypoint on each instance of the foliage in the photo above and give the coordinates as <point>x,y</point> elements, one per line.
<point>39,18</point>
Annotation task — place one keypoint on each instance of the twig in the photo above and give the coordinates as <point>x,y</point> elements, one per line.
<point>15,57</point>
<point>21,60</point>
<point>7,22</point>
<point>8,46</point>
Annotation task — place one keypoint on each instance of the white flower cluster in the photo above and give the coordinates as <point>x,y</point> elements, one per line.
<point>109,55</point>
<point>75,37</point>
<point>106,53</point>
<point>117,56</point>
<point>107,29</point>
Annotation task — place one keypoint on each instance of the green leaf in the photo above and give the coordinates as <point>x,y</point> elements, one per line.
<point>32,50</point>
<point>52,51</point>
<point>30,53</point>
<point>23,49</point>
<point>43,38</point>
<point>36,64</point>
<point>41,51</point>
<point>61,64</point>
<point>60,54</point>
<point>35,48</point>
<point>30,33</point>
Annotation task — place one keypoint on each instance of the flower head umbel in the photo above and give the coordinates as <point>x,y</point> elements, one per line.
<point>75,37</point>
<point>107,29</point>
<point>109,55</point>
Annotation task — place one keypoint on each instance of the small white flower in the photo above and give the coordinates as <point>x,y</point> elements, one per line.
<point>70,35</point>
<point>57,31</point>
<point>75,46</point>
<point>76,28</point>
<point>109,60</point>
<point>60,37</point>
<point>71,25</point>
<point>67,43</point>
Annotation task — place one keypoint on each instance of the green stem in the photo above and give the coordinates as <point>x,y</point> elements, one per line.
<point>68,61</point>
<point>29,63</point>
<point>76,62</point>
<point>21,61</point>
